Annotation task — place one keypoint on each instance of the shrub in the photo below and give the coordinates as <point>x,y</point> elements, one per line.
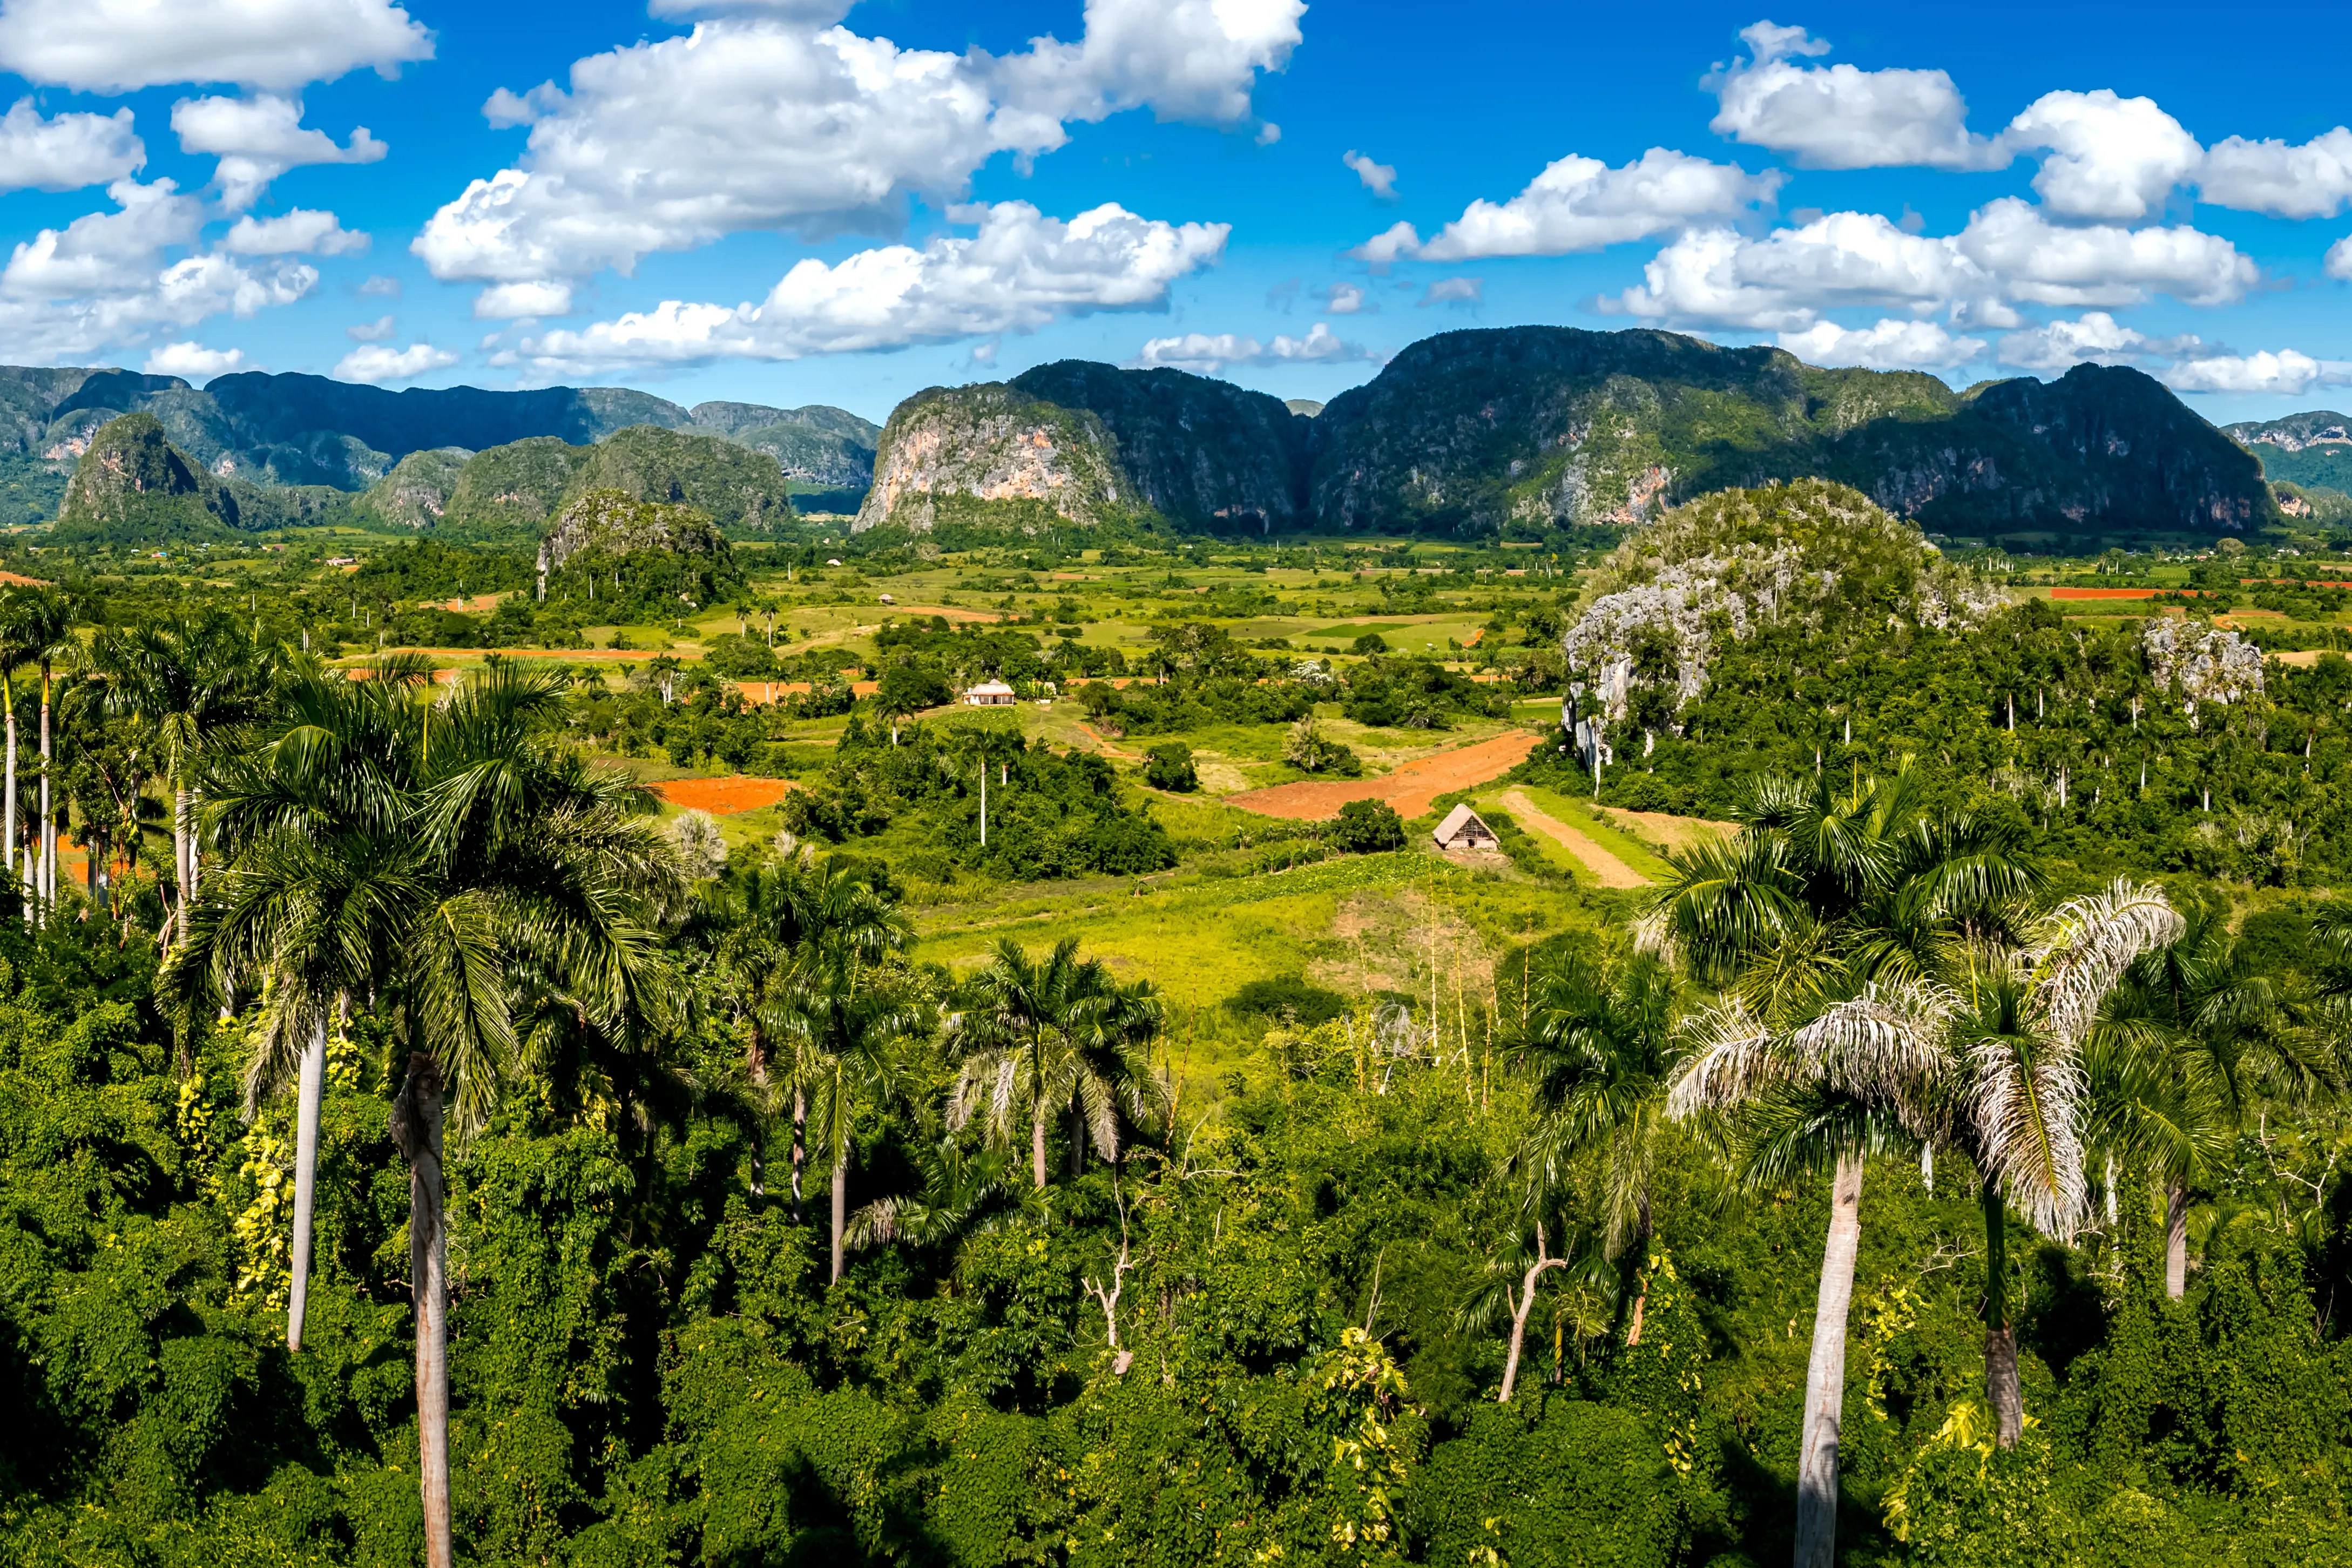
<point>1170,766</point>
<point>1367,827</point>
<point>1288,997</point>
<point>1371,642</point>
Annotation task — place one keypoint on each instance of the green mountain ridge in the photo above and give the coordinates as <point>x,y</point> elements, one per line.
<point>293,429</point>
<point>2312,451</point>
<point>1536,427</point>
<point>518,486</point>
<point>132,483</point>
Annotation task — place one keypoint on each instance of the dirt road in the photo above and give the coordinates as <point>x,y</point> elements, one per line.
<point>1411,788</point>
<point>1606,868</point>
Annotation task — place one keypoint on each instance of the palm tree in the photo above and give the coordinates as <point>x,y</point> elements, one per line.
<point>19,639</point>
<point>1603,1037</point>
<point>308,820</point>
<point>773,918</point>
<point>2209,1038</point>
<point>1985,1058</point>
<point>198,682</point>
<point>850,1025</point>
<point>46,620</point>
<point>1822,896</point>
<point>1110,1034</point>
<point>500,868</point>
<point>963,1191</point>
<point>1016,1039</point>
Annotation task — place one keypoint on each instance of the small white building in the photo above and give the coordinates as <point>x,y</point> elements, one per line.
<point>990,694</point>
<point>1462,830</point>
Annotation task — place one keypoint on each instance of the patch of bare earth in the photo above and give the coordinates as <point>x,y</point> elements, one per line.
<point>1606,868</point>
<point>1411,788</point>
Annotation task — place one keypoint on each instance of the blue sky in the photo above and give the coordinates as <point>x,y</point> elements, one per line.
<point>785,202</point>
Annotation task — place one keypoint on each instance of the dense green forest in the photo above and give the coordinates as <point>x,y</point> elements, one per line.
<point>427,1141</point>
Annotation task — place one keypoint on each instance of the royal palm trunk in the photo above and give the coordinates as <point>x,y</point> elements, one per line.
<point>2175,1239</point>
<point>310,1089</point>
<point>416,1129</point>
<point>48,861</point>
<point>2002,1393</point>
<point>800,1150</point>
<point>840,1209</point>
<point>1817,1462</point>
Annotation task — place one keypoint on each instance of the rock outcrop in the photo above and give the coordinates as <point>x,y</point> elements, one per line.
<point>1088,442</point>
<point>1819,554</point>
<point>130,481</point>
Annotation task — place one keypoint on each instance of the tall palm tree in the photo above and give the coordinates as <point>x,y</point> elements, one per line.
<point>198,682</point>
<point>46,620</point>
<point>1015,1040</point>
<point>501,865</point>
<point>772,920</point>
<point>1603,1038</point>
<point>1984,1059</point>
<point>851,1024</point>
<point>2191,1039</point>
<point>20,638</point>
<point>1109,1034</point>
<point>1822,896</point>
<point>308,819</point>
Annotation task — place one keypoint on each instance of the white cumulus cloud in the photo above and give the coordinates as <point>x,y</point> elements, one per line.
<point>1838,116</point>
<point>2055,347</point>
<point>2009,254</point>
<point>1454,291</point>
<point>121,45</point>
<point>375,363</point>
<point>1888,344</point>
<point>760,121</point>
<point>1344,299</point>
<point>2338,261</point>
<point>303,232</point>
<point>1207,353</point>
<point>258,139</point>
<point>373,331</point>
<point>2039,262</point>
<point>1019,272</point>
<point>66,152</point>
<point>194,361</point>
<point>1582,204</point>
<point>2313,180</point>
<point>513,301</point>
<point>1783,281</point>
<point>1378,178</point>
<point>2287,372</point>
<point>2105,157</point>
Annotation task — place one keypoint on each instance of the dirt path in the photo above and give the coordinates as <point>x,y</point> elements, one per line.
<point>1411,788</point>
<point>1606,868</point>
<point>1674,831</point>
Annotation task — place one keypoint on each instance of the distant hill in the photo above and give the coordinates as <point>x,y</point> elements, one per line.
<point>517,487</point>
<point>1547,426</point>
<point>295,429</point>
<point>2310,450</point>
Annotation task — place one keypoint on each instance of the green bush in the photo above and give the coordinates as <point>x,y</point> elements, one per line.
<point>1288,997</point>
<point>1170,766</point>
<point>1367,827</point>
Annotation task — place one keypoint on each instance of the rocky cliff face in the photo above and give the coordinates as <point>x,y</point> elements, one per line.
<point>130,480</point>
<point>1202,453</point>
<point>2313,451</point>
<point>948,447</point>
<point>1088,441</point>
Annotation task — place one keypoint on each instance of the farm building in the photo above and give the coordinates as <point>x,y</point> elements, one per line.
<point>1463,830</point>
<point>990,694</point>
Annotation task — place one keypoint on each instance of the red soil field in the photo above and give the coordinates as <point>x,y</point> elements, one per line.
<point>724,798</point>
<point>1411,788</point>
